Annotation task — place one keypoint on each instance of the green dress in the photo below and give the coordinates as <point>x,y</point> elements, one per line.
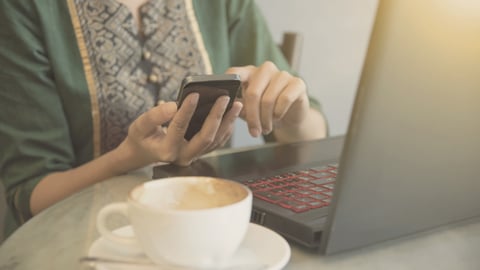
<point>66,93</point>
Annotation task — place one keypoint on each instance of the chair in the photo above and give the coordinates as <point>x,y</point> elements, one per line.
<point>291,47</point>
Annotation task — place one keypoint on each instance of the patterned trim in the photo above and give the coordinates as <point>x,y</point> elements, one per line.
<point>198,36</point>
<point>88,75</point>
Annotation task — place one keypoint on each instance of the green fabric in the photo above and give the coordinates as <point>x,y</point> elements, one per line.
<point>45,120</point>
<point>241,34</point>
<point>245,38</point>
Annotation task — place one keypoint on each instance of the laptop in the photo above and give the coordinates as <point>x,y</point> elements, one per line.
<point>410,160</point>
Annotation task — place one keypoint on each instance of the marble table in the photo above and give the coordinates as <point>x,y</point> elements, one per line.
<point>57,237</point>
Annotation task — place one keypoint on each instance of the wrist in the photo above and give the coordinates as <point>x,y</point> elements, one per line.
<point>126,158</point>
<point>312,126</point>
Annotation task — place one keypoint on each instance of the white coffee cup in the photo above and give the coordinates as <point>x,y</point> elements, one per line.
<point>185,221</point>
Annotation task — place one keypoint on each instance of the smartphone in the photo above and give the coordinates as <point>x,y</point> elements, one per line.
<point>209,88</point>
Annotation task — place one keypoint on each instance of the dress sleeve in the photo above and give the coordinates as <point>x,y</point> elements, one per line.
<point>251,41</point>
<point>236,34</point>
<point>34,133</point>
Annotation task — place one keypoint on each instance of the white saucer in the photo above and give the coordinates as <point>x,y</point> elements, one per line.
<point>261,246</point>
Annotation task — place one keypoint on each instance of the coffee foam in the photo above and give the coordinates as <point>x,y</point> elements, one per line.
<point>210,194</point>
<point>193,195</point>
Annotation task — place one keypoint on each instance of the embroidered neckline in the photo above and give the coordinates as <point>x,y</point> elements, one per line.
<point>148,70</point>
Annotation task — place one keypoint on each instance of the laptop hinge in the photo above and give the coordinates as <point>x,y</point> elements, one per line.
<point>257,217</point>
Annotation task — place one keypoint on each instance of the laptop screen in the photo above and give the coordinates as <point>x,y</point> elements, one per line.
<point>411,157</point>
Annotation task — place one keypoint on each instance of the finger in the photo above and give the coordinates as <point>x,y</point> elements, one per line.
<point>225,130</point>
<point>214,119</point>
<point>279,81</point>
<point>243,114</point>
<point>233,113</point>
<point>179,124</point>
<point>242,111</point>
<point>294,92</point>
<point>245,73</point>
<point>206,136</point>
<point>257,84</point>
<point>148,122</point>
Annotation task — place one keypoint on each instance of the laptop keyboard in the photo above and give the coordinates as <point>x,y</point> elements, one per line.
<point>297,191</point>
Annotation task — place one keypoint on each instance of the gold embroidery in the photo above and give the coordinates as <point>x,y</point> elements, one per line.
<point>133,70</point>
<point>89,77</point>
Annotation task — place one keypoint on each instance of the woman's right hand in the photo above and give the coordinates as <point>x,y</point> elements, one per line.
<point>148,142</point>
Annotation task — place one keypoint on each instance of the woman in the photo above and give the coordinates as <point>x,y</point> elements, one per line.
<point>87,85</point>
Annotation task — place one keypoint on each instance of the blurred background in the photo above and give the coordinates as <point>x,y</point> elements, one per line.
<point>335,39</point>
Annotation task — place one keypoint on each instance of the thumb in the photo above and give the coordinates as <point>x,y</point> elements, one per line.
<point>149,121</point>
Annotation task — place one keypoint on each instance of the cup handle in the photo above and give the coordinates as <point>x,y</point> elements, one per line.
<point>105,212</point>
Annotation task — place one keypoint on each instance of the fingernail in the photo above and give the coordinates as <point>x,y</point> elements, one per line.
<point>239,109</point>
<point>194,98</point>
<point>225,100</point>
<point>170,108</point>
<point>237,113</point>
<point>255,132</point>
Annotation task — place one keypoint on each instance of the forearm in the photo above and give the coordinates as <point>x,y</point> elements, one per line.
<point>314,126</point>
<point>59,185</point>
<point>146,143</point>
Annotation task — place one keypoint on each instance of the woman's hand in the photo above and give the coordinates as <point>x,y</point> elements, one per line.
<point>148,142</point>
<point>277,101</point>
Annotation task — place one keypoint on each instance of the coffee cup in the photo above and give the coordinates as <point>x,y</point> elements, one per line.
<point>184,221</point>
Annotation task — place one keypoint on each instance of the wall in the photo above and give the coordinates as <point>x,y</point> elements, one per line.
<point>336,35</point>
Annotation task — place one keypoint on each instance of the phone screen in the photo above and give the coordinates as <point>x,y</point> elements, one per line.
<point>209,91</point>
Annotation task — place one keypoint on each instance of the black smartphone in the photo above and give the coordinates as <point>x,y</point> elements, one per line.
<point>209,88</point>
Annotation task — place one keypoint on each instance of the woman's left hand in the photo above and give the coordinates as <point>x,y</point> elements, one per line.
<point>272,99</point>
